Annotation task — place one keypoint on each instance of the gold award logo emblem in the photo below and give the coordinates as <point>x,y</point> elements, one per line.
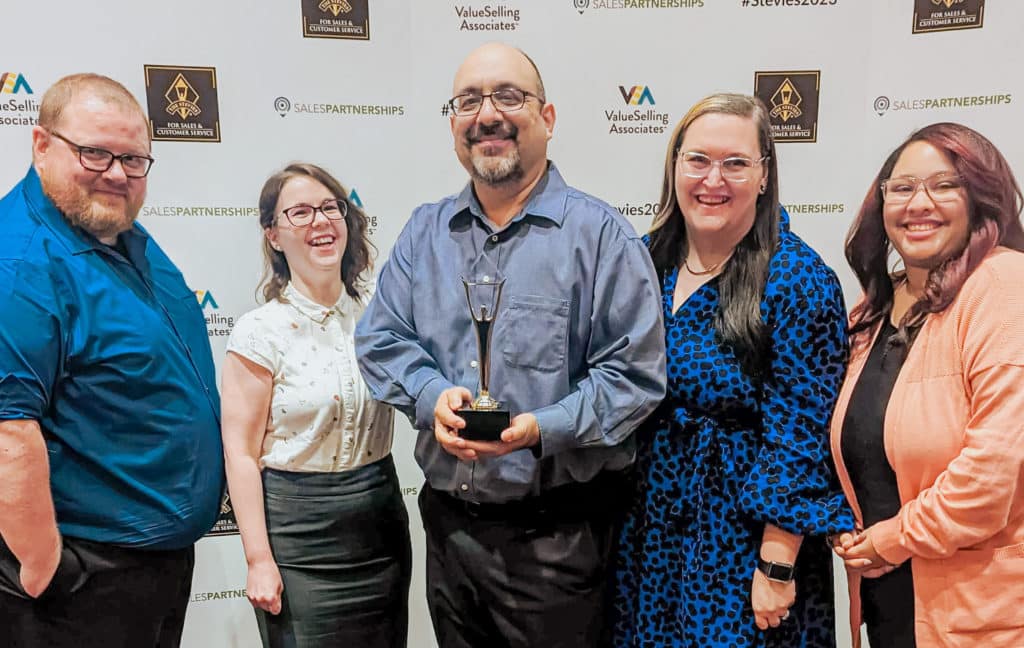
<point>947,15</point>
<point>182,98</point>
<point>786,101</point>
<point>335,7</point>
<point>347,19</point>
<point>181,102</point>
<point>792,98</point>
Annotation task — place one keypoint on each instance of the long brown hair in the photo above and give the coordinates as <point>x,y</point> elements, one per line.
<point>741,283</point>
<point>994,204</point>
<point>354,261</point>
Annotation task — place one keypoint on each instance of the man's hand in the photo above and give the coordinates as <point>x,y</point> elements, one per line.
<point>447,423</point>
<point>522,433</point>
<point>36,576</point>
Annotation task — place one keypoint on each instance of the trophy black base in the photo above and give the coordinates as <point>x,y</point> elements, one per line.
<point>484,425</point>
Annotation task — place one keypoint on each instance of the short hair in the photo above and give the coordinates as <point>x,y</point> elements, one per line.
<point>63,92</point>
<point>357,257</point>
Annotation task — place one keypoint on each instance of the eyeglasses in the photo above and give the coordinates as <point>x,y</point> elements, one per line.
<point>302,214</point>
<point>504,100</point>
<point>99,160</point>
<point>940,187</point>
<point>733,169</point>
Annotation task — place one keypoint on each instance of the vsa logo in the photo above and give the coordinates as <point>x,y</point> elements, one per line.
<point>13,83</point>
<point>636,95</point>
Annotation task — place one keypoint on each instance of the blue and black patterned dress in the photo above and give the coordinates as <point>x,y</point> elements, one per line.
<point>728,454</point>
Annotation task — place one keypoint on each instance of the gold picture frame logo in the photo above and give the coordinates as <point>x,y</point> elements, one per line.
<point>182,103</point>
<point>792,99</point>
<point>947,15</point>
<point>345,19</point>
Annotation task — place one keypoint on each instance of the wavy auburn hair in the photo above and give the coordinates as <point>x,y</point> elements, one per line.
<point>741,283</point>
<point>354,261</point>
<point>994,204</point>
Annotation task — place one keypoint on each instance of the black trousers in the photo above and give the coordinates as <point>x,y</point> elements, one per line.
<point>521,575</point>
<point>102,596</point>
<point>341,542</point>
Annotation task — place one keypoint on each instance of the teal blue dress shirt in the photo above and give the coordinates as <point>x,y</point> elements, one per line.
<point>106,347</point>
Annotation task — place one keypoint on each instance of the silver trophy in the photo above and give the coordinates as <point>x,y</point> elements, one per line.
<point>485,417</point>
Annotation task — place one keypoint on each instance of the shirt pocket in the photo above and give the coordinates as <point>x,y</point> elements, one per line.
<point>980,590</point>
<point>535,332</point>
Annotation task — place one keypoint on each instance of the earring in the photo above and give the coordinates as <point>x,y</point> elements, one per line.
<point>275,246</point>
<point>764,187</point>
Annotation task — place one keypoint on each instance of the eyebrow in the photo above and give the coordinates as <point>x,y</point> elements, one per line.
<point>497,86</point>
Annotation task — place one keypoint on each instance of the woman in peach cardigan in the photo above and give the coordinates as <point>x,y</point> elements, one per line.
<point>928,433</point>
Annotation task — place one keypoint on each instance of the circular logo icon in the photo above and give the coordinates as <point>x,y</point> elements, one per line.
<point>282,105</point>
<point>881,105</point>
<point>581,4</point>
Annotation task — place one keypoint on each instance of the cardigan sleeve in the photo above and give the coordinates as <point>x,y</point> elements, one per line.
<point>975,496</point>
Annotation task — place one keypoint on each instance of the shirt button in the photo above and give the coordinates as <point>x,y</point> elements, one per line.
<point>464,487</point>
<point>494,239</point>
<point>474,364</point>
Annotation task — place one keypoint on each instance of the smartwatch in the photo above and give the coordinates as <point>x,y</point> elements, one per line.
<point>775,571</point>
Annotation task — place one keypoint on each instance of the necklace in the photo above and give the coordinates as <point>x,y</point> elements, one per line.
<point>705,271</point>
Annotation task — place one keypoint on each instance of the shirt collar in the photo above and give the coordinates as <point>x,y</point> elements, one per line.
<point>314,311</point>
<point>75,238</point>
<point>547,200</point>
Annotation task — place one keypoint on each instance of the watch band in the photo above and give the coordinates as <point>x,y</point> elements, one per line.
<point>776,571</point>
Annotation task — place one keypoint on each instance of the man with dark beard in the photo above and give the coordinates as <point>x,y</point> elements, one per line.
<point>110,457</point>
<point>518,530</point>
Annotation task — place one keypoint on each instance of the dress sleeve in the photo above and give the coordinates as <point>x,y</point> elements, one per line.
<point>793,483</point>
<point>32,344</point>
<point>253,339</point>
<point>983,487</point>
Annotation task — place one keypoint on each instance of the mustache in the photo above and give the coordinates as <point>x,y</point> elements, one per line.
<point>477,131</point>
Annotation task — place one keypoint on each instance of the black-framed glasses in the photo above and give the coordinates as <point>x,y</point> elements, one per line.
<point>302,214</point>
<point>503,99</point>
<point>93,158</point>
<point>940,187</point>
<point>734,169</point>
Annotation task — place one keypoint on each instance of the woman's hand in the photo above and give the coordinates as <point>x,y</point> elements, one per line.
<point>771,600</point>
<point>264,586</point>
<point>859,554</point>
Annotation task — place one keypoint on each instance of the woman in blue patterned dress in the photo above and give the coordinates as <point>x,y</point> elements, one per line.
<point>734,475</point>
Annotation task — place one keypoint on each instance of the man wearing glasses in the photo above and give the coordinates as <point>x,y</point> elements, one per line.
<point>110,456</point>
<point>518,530</point>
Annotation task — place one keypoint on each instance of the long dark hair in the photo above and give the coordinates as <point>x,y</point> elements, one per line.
<point>354,261</point>
<point>994,204</point>
<point>741,283</point>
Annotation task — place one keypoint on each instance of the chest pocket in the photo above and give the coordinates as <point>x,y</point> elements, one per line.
<point>536,332</point>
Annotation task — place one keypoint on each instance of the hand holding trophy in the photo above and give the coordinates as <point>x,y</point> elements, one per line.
<point>485,417</point>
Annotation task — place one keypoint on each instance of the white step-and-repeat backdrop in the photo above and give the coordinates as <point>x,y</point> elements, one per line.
<point>234,90</point>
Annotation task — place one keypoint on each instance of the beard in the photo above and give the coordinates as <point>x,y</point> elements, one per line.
<point>99,217</point>
<point>492,170</point>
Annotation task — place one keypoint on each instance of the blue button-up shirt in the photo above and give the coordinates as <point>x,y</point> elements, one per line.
<point>109,353</point>
<point>578,338</point>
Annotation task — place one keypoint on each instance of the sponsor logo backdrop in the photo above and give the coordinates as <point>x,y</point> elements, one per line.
<point>233,94</point>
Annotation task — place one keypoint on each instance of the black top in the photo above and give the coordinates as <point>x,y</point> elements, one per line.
<point>888,601</point>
